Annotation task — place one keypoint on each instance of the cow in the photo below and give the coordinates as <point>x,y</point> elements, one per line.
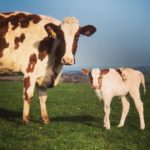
<point>38,46</point>
<point>108,83</point>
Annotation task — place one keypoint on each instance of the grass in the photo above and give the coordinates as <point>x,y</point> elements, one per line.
<point>76,121</point>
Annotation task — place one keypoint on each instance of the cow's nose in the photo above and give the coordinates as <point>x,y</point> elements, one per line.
<point>68,61</point>
<point>94,86</point>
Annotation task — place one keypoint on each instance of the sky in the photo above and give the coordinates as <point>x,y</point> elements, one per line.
<point>122,38</point>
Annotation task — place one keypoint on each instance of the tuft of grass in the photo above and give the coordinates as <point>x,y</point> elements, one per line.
<point>76,121</point>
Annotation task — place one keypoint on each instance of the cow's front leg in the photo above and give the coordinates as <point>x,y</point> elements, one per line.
<point>107,102</point>
<point>28,90</point>
<point>42,93</point>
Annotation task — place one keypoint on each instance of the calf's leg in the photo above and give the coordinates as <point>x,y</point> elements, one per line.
<point>135,94</point>
<point>125,110</point>
<point>107,113</point>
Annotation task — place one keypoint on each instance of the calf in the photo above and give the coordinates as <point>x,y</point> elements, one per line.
<point>108,83</point>
<point>38,46</point>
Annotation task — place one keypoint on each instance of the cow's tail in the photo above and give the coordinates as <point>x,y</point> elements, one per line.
<point>143,81</point>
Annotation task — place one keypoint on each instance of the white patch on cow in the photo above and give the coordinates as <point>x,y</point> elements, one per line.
<point>70,26</point>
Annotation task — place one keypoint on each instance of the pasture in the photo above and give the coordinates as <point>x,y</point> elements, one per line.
<point>76,121</point>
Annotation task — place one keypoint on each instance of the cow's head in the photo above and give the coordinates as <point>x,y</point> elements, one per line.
<point>67,35</point>
<point>94,75</point>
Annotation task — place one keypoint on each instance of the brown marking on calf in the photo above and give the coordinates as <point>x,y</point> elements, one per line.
<point>102,74</point>
<point>32,63</point>
<point>45,47</point>
<point>27,84</point>
<point>121,74</point>
<point>18,40</point>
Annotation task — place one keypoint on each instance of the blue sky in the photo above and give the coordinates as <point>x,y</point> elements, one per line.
<point>123,28</point>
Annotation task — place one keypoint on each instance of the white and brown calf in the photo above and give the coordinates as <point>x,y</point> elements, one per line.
<point>38,46</point>
<point>108,83</point>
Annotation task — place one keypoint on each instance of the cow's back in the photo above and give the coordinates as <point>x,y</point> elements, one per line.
<point>133,78</point>
<point>113,84</point>
<point>20,35</point>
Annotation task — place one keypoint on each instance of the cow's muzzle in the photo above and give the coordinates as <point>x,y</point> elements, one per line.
<point>67,61</point>
<point>95,86</point>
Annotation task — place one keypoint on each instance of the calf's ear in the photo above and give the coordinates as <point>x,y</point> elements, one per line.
<point>85,71</point>
<point>87,30</point>
<point>52,30</point>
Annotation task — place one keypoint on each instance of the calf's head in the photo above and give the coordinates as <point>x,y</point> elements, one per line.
<point>67,35</point>
<point>94,75</point>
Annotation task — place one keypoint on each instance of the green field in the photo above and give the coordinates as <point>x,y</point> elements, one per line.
<point>76,121</point>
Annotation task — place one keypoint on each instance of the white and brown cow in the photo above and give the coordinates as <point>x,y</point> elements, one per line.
<point>38,46</point>
<point>108,83</point>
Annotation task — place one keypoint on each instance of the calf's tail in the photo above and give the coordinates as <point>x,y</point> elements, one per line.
<point>143,81</point>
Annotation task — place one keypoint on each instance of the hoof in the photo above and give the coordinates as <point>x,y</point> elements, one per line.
<point>45,119</point>
<point>120,125</point>
<point>107,127</point>
<point>142,128</point>
<point>25,120</point>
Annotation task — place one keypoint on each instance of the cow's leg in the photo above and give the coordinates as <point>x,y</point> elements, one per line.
<point>28,90</point>
<point>125,110</point>
<point>42,93</point>
<point>135,94</point>
<point>107,112</point>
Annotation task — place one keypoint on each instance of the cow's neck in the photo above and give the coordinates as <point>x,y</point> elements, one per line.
<point>54,69</point>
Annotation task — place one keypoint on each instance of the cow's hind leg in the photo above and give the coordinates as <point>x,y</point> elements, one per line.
<point>135,94</point>
<point>42,93</point>
<point>125,110</point>
<point>29,84</point>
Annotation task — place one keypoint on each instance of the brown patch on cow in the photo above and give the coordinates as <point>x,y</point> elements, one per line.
<point>3,31</point>
<point>17,20</point>
<point>23,20</point>
<point>18,40</point>
<point>3,45</point>
<point>121,74</point>
<point>60,51</point>
<point>104,71</point>
<point>27,84</point>
<point>32,63</point>
<point>75,42</point>
<point>45,47</point>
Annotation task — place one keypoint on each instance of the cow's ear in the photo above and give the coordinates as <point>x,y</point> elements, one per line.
<point>52,29</point>
<point>85,71</point>
<point>87,30</point>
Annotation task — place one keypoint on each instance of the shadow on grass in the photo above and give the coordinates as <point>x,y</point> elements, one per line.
<point>84,119</point>
<point>10,115</point>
